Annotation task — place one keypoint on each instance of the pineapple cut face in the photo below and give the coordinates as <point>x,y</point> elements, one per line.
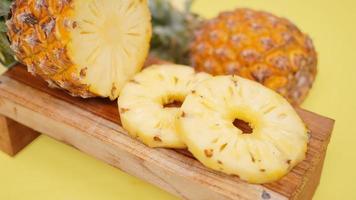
<point>87,47</point>
<point>278,140</point>
<point>109,42</point>
<point>142,103</point>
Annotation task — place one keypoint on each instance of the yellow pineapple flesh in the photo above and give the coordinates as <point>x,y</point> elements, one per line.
<point>145,104</point>
<point>259,46</point>
<point>87,47</point>
<point>277,142</point>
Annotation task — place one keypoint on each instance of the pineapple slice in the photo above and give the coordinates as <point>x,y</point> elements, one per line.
<point>144,103</point>
<point>88,47</point>
<point>278,140</point>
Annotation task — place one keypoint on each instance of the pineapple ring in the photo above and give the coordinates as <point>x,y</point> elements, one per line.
<point>278,140</point>
<point>141,103</point>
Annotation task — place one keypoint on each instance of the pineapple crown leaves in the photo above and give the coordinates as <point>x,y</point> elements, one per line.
<point>172,30</point>
<point>6,55</point>
<point>4,7</point>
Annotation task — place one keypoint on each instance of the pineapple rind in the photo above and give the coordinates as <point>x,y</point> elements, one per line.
<point>259,46</point>
<point>38,35</point>
<point>278,141</point>
<point>141,103</point>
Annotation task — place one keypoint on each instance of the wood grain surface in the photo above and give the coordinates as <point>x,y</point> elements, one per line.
<point>93,126</point>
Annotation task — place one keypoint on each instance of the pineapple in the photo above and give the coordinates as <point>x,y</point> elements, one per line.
<point>149,104</point>
<point>87,47</point>
<point>277,142</point>
<point>258,46</point>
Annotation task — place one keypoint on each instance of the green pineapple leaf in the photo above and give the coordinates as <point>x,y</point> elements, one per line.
<point>173,30</point>
<point>6,55</point>
<point>4,7</point>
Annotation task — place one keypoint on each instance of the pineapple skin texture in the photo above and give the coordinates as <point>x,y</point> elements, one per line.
<point>278,141</point>
<point>33,31</point>
<point>40,35</point>
<point>141,103</point>
<point>259,46</point>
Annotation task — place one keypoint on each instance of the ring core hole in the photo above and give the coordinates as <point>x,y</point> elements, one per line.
<point>173,104</point>
<point>244,126</point>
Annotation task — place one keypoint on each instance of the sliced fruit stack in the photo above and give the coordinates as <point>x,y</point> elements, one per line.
<point>205,121</point>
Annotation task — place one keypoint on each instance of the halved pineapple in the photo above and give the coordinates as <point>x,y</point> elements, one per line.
<point>144,103</point>
<point>88,47</point>
<point>278,140</point>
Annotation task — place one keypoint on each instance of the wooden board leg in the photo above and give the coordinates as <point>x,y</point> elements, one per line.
<point>14,136</point>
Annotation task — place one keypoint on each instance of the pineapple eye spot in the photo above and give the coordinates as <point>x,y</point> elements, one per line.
<point>173,104</point>
<point>244,126</point>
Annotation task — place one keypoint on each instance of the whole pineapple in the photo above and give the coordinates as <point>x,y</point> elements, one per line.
<point>259,46</point>
<point>88,47</point>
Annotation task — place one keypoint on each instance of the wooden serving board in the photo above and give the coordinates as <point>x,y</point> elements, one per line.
<point>93,126</point>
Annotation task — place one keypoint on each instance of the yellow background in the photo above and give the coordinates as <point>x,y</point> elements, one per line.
<point>51,170</point>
